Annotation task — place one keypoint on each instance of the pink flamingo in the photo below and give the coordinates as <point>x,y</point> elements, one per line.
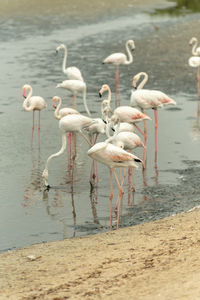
<point>76,86</point>
<point>118,59</point>
<point>146,99</point>
<point>70,123</point>
<point>32,103</point>
<point>113,157</point>
<point>71,72</point>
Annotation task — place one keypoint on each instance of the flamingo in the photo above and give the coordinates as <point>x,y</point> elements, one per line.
<point>113,157</point>
<point>146,99</point>
<point>32,103</point>
<point>60,113</point>
<point>118,59</point>
<point>76,86</point>
<point>194,62</point>
<point>195,50</point>
<point>71,72</point>
<point>70,123</point>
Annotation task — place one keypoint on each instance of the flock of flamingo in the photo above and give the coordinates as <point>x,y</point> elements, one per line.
<point>117,124</point>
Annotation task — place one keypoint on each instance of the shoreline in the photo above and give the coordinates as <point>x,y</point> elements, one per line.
<point>152,260</point>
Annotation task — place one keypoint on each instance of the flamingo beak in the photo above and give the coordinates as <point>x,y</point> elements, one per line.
<point>54,105</point>
<point>100,94</point>
<point>24,93</point>
<point>135,84</point>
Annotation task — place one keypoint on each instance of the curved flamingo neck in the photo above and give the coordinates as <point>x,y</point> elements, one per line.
<point>130,56</point>
<point>28,108</point>
<point>64,64</point>
<point>56,112</point>
<point>109,93</point>
<point>194,48</point>
<point>144,81</point>
<point>85,102</point>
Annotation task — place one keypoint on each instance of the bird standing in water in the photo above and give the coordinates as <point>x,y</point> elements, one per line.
<point>119,59</point>
<point>32,103</point>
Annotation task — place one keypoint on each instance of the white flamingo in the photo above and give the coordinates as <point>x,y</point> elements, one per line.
<point>71,72</point>
<point>32,103</point>
<point>146,99</point>
<point>118,59</point>
<point>113,157</point>
<point>76,86</point>
<point>70,123</point>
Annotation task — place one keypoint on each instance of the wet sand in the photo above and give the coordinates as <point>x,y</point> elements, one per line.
<point>157,260</point>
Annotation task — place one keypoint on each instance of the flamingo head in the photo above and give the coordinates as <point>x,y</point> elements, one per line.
<point>54,100</point>
<point>61,46</point>
<point>136,78</point>
<point>104,88</point>
<point>25,87</point>
<point>192,41</point>
<point>132,44</point>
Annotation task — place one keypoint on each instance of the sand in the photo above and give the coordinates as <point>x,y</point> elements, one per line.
<point>157,260</point>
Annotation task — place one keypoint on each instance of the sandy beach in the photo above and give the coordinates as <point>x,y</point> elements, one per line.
<point>157,260</point>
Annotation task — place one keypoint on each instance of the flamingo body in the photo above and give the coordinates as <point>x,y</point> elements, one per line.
<point>75,123</point>
<point>127,140</point>
<point>147,99</point>
<point>128,114</point>
<point>194,61</point>
<point>112,156</point>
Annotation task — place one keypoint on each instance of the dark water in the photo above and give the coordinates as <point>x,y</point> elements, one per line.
<point>28,214</point>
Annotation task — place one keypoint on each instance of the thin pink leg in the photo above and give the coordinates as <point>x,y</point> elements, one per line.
<point>111,197</point>
<point>119,198</point>
<point>69,150</point>
<point>138,128</point>
<point>74,145</point>
<point>38,139</point>
<point>145,145</point>
<point>117,87</point>
<point>39,121</point>
<point>156,127</point>
<point>33,128</point>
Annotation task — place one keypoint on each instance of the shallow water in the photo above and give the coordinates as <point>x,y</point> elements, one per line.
<point>28,213</point>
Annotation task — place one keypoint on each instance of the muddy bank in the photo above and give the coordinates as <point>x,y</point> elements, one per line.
<point>157,260</point>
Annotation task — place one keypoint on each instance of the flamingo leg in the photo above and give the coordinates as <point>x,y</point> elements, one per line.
<point>74,145</point>
<point>33,128</point>
<point>145,145</point>
<point>111,197</point>
<point>119,198</point>
<point>198,81</point>
<point>156,127</point>
<point>84,136</point>
<point>117,87</point>
<point>131,188</point>
<point>39,121</point>
<point>138,128</point>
